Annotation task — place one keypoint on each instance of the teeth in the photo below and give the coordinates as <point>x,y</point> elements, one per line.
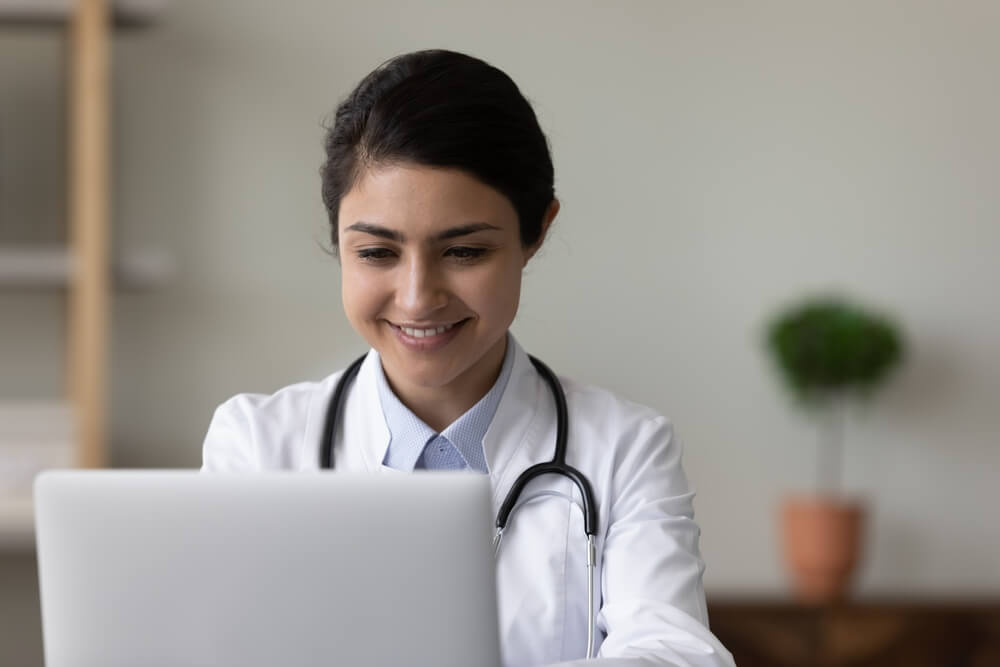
<point>423,333</point>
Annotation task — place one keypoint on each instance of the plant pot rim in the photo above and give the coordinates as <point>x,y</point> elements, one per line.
<point>845,501</point>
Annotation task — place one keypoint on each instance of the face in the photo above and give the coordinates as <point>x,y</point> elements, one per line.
<point>431,264</point>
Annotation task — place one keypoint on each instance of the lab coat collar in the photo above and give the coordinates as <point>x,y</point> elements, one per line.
<point>512,431</point>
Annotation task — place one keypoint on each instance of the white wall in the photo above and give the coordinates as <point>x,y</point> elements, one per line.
<point>714,160</point>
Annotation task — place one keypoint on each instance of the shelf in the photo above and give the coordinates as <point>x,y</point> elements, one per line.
<point>85,267</point>
<point>127,13</point>
<point>34,436</point>
<point>17,524</point>
<point>52,267</point>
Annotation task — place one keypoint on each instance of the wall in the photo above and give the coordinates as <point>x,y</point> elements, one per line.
<point>714,160</point>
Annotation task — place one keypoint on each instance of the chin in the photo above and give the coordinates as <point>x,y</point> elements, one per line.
<point>431,375</point>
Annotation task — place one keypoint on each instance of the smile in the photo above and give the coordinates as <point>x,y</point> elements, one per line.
<point>427,339</point>
<point>423,333</point>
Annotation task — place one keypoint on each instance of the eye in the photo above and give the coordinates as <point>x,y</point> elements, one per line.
<point>466,253</point>
<point>375,255</point>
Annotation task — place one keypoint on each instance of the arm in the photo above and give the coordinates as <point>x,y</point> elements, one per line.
<point>653,610</point>
<point>228,445</point>
<point>252,432</point>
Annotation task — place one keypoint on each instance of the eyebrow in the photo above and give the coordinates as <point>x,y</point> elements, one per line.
<point>393,235</point>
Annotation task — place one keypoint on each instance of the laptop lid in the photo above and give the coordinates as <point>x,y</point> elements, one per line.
<point>181,568</point>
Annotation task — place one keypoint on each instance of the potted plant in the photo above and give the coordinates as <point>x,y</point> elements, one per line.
<point>828,351</point>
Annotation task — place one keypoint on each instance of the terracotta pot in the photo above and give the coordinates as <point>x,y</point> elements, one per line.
<point>822,543</point>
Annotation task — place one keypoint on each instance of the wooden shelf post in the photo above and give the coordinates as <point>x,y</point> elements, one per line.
<point>88,179</point>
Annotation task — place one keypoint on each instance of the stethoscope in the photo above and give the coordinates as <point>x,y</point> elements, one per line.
<point>557,466</point>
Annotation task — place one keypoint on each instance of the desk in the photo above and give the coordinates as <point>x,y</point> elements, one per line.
<point>910,633</point>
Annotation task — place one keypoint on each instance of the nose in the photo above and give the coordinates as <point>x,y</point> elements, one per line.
<point>421,290</point>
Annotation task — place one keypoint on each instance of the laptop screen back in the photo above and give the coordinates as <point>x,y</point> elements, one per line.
<point>181,568</point>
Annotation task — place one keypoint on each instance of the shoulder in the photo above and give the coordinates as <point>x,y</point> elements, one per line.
<point>265,409</point>
<point>257,431</point>
<point>632,447</point>
<point>610,426</point>
<point>604,411</point>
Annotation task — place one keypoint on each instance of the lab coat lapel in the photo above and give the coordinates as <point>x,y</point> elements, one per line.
<point>515,437</point>
<point>533,609</point>
<point>364,435</point>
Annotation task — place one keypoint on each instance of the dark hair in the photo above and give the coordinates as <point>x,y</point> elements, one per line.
<point>442,109</point>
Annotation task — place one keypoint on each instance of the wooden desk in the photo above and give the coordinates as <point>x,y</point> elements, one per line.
<point>911,633</point>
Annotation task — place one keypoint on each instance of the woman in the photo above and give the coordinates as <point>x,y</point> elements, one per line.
<point>439,187</point>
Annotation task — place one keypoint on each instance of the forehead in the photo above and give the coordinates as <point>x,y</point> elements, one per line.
<point>418,197</point>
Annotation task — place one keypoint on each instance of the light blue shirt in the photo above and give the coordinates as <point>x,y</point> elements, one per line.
<point>413,445</point>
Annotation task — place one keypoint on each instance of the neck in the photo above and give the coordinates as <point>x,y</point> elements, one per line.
<point>439,407</point>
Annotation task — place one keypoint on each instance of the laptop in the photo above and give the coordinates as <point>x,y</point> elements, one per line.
<point>150,568</point>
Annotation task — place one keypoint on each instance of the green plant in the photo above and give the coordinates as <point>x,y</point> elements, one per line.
<point>828,350</point>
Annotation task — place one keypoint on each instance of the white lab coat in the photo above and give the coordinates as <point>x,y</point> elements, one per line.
<point>649,593</point>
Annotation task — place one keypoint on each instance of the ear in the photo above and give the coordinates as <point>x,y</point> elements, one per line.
<point>550,214</point>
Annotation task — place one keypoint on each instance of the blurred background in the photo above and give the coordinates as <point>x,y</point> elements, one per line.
<point>715,162</point>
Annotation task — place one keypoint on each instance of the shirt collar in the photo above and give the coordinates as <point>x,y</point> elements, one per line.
<point>408,434</point>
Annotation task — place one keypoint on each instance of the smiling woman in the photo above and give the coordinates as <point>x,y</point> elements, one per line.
<point>435,285</point>
<point>438,184</point>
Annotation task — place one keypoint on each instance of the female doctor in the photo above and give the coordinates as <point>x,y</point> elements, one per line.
<point>439,188</point>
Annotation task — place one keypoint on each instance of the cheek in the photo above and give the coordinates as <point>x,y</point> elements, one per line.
<point>359,293</point>
<point>498,292</point>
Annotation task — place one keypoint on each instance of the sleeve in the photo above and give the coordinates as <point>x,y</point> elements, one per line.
<point>653,609</point>
<point>229,444</point>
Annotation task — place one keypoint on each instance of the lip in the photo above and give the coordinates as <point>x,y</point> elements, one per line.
<point>427,343</point>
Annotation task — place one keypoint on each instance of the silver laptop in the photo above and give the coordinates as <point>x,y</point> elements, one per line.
<point>299,569</point>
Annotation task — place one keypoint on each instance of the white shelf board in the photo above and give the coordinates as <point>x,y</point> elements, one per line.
<point>52,266</point>
<point>34,436</point>
<point>55,12</point>
<point>34,267</point>
<point>17,524</point>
